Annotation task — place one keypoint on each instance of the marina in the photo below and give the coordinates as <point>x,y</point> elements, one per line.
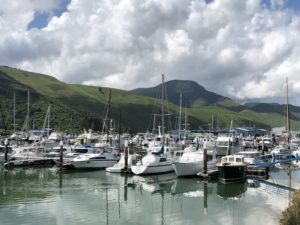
<point>150,112</point>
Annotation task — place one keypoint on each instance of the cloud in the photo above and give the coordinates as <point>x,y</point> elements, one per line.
<point>241,49</point>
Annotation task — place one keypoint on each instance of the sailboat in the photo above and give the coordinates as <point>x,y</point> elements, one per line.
<point>103,157</point>
<point>285,148</point>
<point>157,160</point>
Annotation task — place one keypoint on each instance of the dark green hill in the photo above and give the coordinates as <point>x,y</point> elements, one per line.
<point>192,93</point>
<point>275,108</point>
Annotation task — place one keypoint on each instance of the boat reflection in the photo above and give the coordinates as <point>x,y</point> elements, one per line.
<point>153,184</point>
<point>231,190</point>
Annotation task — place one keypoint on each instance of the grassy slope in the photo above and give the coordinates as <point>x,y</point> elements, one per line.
<point>85,105</point>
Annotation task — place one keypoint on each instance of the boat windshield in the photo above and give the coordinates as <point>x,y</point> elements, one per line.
<point>224,160</point>
<point>80,150</point>
<point>238,160</point>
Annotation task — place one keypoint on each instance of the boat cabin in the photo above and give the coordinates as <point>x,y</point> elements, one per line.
<point>233,159</point>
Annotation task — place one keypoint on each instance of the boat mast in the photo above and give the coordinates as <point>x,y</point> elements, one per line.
<point>48,120</point>
<point>185,124</point>
<point>108,125</point>
<point>212,123</point>
<point>49,117</point>
<point>162,110</point>
<point>14,112</point>
<point>28,123</point>
<point>288,128</point>
<point>179,125</point>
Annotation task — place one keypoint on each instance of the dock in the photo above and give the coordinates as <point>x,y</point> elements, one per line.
<point>257,172</point>
<point>29,162</point>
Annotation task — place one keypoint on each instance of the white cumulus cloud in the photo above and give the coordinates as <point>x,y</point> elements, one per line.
<point>241,49</point>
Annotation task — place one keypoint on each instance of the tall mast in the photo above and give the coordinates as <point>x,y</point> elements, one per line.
<point>185,124</point>
<point>179,125</point>
<point>108,125</point>
<point>49,116</point>
<point>162,110</point>
<point>48,120</point>
<point>28,122</point>
<point>14,112</point>
<point>287,110</point>
<point>212,123</point>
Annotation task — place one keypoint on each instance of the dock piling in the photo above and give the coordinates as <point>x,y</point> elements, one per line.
<point>126,150</point>
<point>204,159</point>
<point>5,150</point>
<point>61,144</point>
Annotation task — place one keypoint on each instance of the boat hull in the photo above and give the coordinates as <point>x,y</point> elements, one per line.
<point>113,169</point>
<point>231,174</point>
<point>190,169</point>
<point>93,164</point>
<point>152,169</point>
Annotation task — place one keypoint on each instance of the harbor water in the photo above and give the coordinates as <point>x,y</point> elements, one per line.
<point>35,196</point>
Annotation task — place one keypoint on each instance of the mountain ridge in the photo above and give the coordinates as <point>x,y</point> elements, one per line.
<point>75,107</point>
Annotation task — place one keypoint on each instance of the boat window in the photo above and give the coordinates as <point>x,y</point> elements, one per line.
<point>238,160</point>
<point>231,159</point>
<point>80,150</point>
<point>99,157</point>
<point>178,153</point>
<point>162,160</point>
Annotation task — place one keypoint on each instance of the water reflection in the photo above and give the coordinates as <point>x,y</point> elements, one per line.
<point>231,190</point>
<point>44,196</point>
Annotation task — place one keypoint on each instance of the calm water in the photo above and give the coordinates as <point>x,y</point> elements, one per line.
<point>42,196</point>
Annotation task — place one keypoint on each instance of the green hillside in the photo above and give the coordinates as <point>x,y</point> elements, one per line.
<point>76,107</point>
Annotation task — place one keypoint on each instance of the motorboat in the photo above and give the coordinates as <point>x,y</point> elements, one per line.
<point>120,165</point>
<point>154,162</point>
<point>250,157</point>
<point>224,144</point>
<point>101,159</point>
<point>191,162</point>
<point>232,168</point>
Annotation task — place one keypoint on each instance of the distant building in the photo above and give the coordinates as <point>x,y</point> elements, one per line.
<point>278,131</point>
<point>245,132</point>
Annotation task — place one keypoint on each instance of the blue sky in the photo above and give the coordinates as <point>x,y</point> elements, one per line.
<point>292,4</point>
<point>41,18</point>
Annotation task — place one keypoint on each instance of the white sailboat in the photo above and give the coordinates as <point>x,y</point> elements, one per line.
<point>156,161</point>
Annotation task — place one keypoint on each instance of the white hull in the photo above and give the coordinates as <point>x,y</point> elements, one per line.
<point>114,169</point>
<point>190,169</point>
<point>152,169</point>
<point>93,164</point>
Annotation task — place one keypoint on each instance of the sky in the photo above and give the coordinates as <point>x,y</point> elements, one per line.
<point>242,49</point>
